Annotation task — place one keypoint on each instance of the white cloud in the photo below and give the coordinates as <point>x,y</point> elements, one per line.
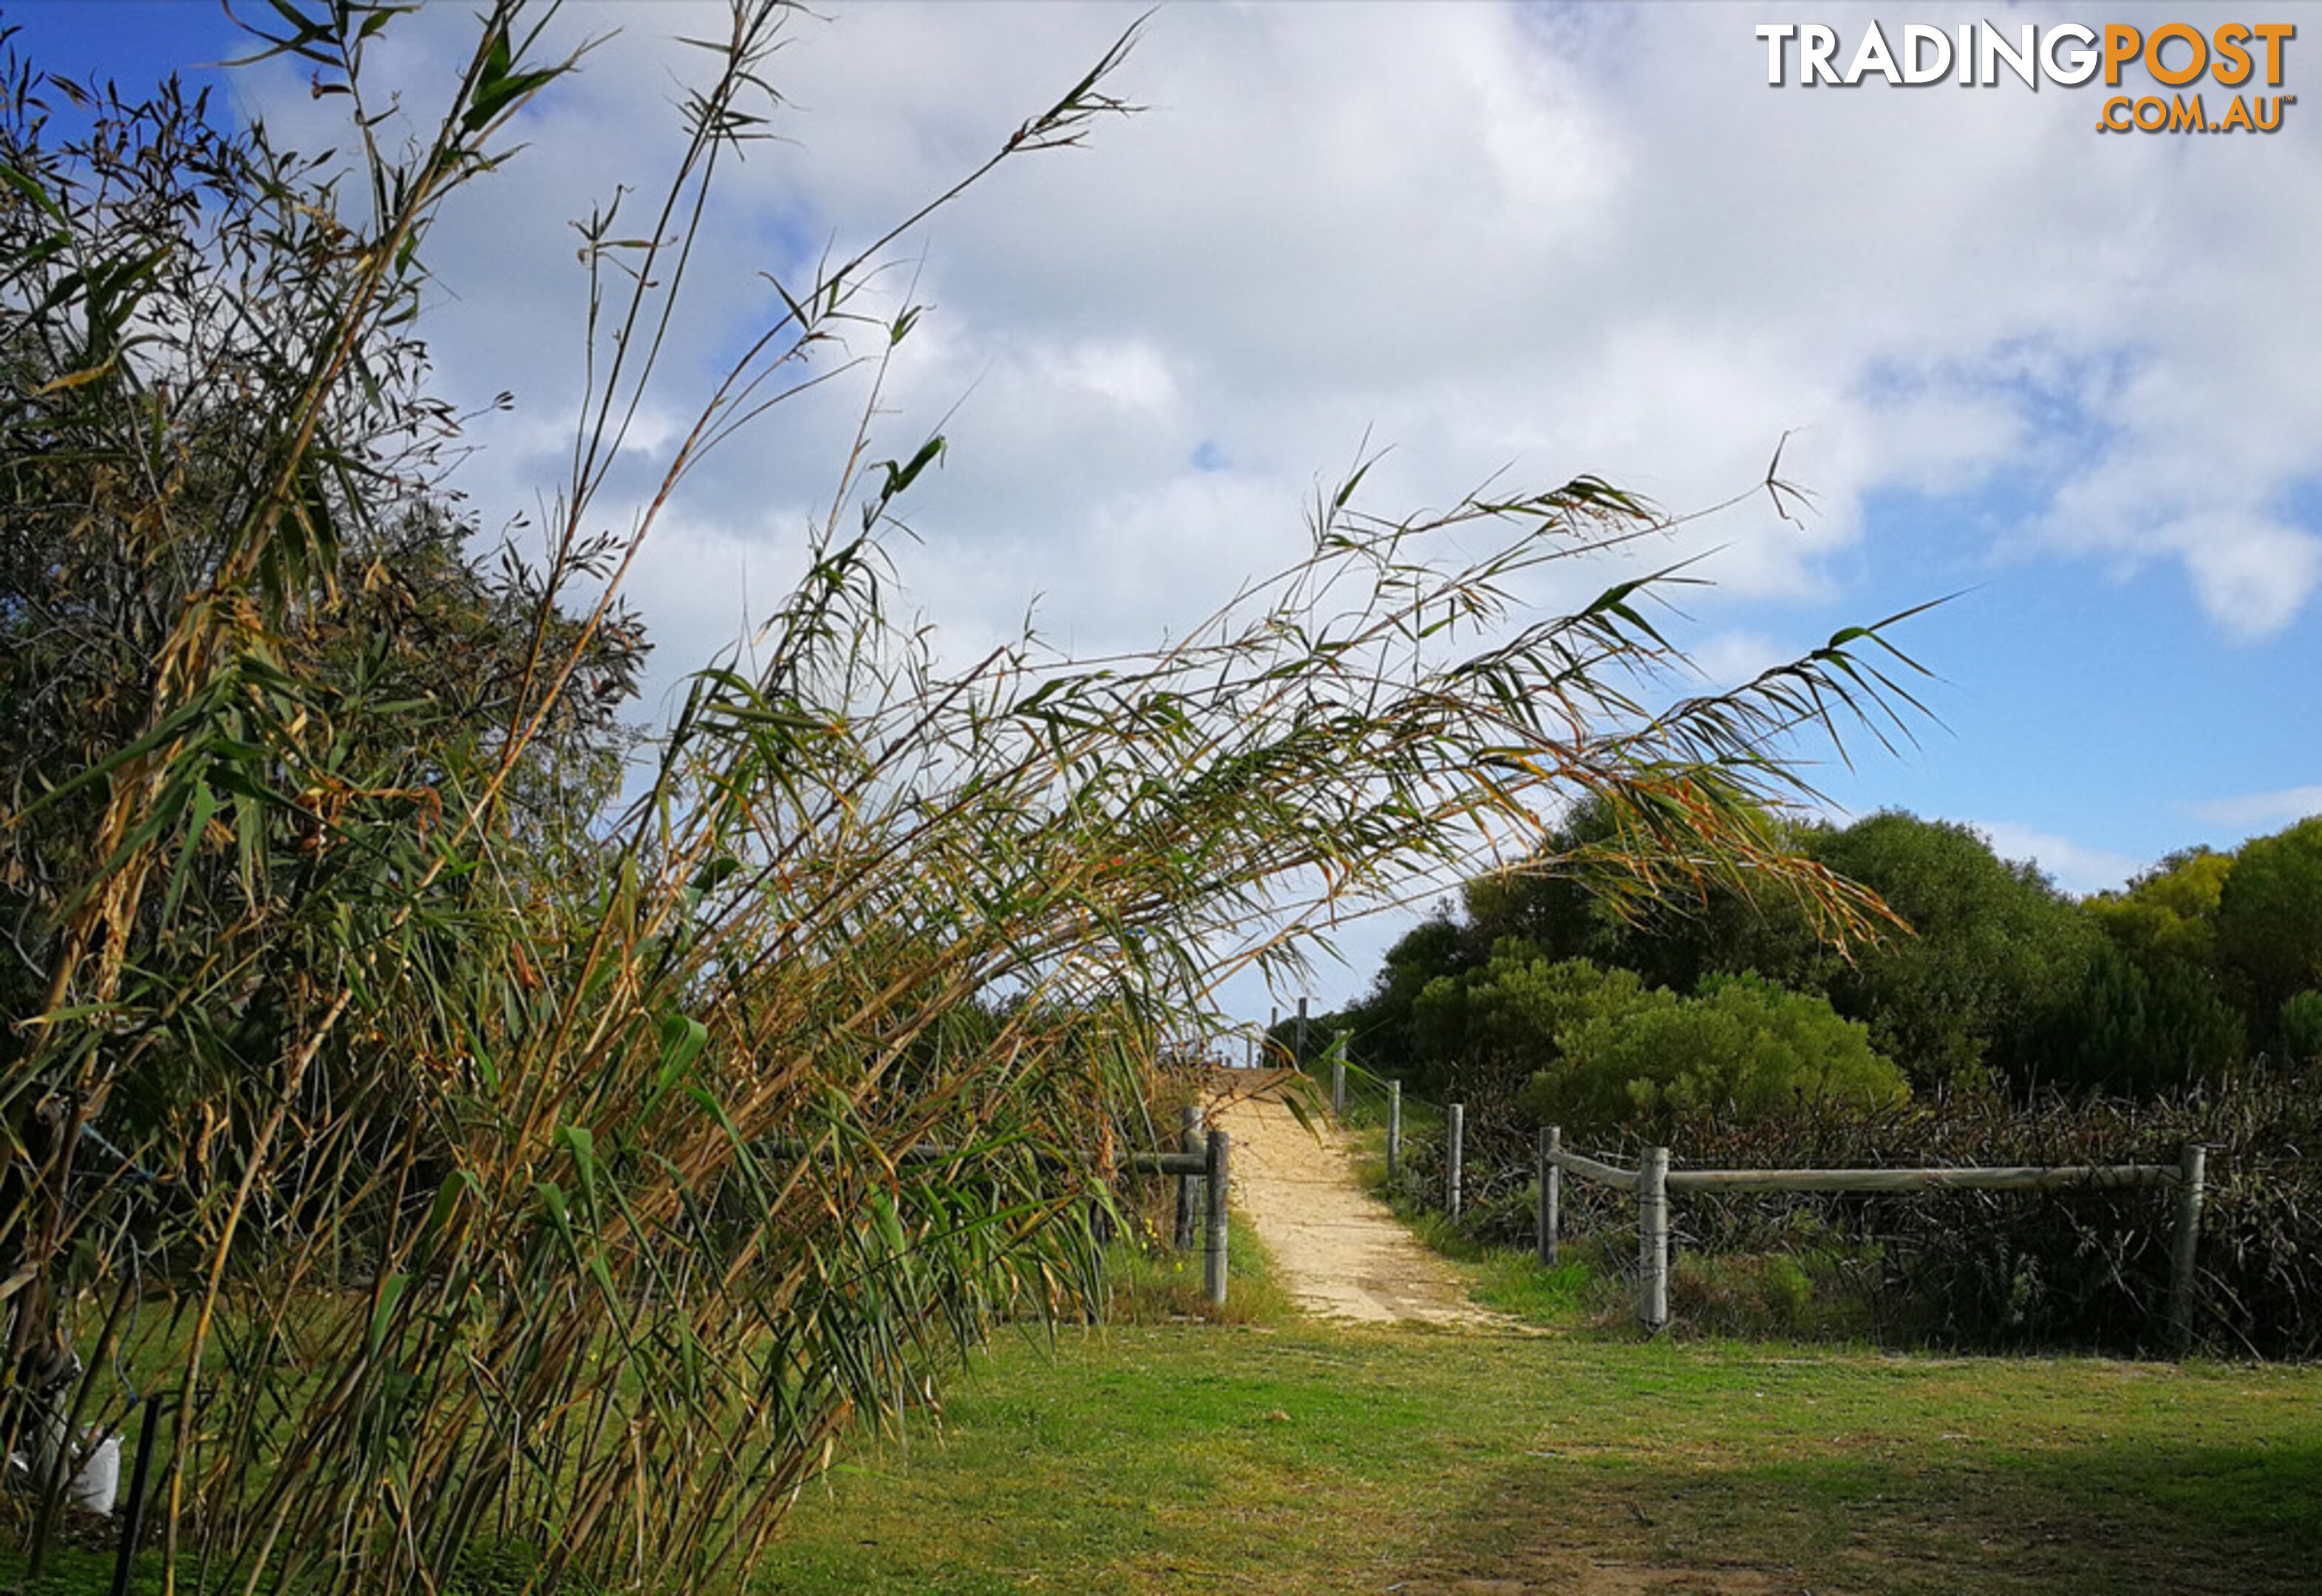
<point>1571,240</point>
<point>2260,811</point>
<point>2253,574</point>
<point>2074,866</point>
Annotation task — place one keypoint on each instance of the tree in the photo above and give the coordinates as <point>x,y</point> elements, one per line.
<point>1568,902</point>
<point>1380,1023</point>
<point>2129,1032</point>
<point>1993,951</point>
<point>2169,915</point>
<point>2269,922</point>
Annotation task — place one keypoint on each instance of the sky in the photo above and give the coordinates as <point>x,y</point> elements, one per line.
<point>2063,378</point>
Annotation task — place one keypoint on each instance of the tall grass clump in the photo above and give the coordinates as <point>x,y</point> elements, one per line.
<point>474,1142</point>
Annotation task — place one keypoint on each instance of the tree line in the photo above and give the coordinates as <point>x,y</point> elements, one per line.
<point>1985,977</point>
<point>1994,1020</point>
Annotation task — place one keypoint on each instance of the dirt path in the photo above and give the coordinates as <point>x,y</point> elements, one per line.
<point>1341,1254</point>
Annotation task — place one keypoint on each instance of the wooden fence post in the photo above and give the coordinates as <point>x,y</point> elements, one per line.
<point>1298,1058</point>
<point>1394,1129</point>
<point>2182,1273</point>
<point>1551,1193</point>
<point>1459,1133</point>
<point>1653,1237</point>
<point>1214,1254</point>
<point>1339,1078</point>
<point>1189,1189</point>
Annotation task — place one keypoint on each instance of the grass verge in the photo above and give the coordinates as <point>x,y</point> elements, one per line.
<point>1274,1455</point>
<point>1156,1285</point>
<point>1311,1460</point>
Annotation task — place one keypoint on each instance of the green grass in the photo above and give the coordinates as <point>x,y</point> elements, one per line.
<point>1572,1292</point>
<point>1311,1460</point>
<point>1293,1458</point>
<point>1277,1455</point>
<point>1153,1285</point>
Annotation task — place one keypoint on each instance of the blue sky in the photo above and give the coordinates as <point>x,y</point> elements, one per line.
<point>2063,375</point>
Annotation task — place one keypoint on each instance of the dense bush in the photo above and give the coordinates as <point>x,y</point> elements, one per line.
<point>2301,1028</point>
<point>2134,1030</point>
<point>1511,1013</point>
<point>1621,1053</point>
<point>2269,917</point>
<point>2088,1267</point>
<point>1744,1049</point>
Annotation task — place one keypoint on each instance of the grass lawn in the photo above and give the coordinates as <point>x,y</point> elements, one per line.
<point>1297,1460</point>
<point>1301,1459</point>
<point>1282,1457</point>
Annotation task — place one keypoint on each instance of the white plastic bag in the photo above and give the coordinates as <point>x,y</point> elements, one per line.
<point>97,1481</point>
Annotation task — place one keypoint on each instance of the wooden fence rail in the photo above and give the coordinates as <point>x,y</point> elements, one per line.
<point>2001,1177</point>
<point>1653,1182</point>
<point>1204,1158</point>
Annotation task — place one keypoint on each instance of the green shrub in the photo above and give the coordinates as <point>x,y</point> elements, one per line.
<point>2301,1027</point>
<point>1744,1049</point>
<point>1513,1014</point>
<point>1763,1295</point>
<point>2130,1031</point>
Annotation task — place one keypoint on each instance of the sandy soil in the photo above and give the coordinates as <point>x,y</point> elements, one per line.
<point>1341,1253</point>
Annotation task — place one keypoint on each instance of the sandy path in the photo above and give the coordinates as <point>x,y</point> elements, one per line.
<point>1340,1252</point>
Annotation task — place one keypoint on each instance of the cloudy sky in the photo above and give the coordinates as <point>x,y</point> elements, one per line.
<point>2067,375</point>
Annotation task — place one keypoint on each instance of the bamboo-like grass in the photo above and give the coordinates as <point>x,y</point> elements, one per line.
<point>512,1176</point>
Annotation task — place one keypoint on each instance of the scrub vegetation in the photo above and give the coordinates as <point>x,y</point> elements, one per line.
<point>2002,1021</point>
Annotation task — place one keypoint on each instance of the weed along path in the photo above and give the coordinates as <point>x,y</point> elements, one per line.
<point>1336,1247</point>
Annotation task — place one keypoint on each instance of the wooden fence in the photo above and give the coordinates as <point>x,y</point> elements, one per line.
<point>1200,1165</point>
<point>1653,1181</point>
